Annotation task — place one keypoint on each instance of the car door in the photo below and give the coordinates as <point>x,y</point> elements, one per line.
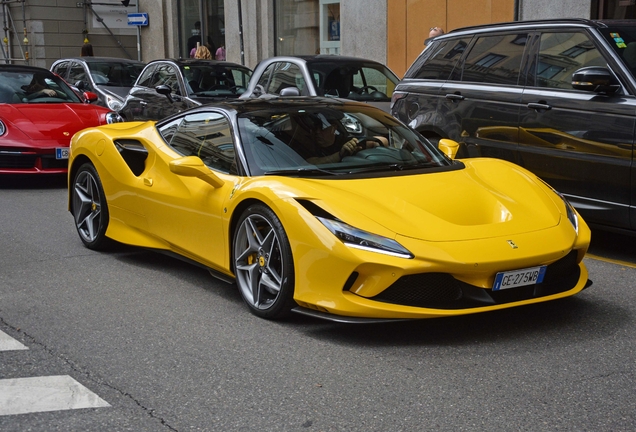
<point>579,142</point>
<point>419,93</point>
<point>482,100</point>
<point>187,212</point>
<point>145,103</point>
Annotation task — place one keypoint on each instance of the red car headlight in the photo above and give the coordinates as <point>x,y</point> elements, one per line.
<point>3,128</point>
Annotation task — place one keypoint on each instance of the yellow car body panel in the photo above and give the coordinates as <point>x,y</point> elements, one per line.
<point>472,223</point>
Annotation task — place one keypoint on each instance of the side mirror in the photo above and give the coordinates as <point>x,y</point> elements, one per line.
<point>90,97</point>
<point>192,166</point>
<point>595,79</point>
<point>164,90</point>
<point>448,147</point>
<point>290,91</point>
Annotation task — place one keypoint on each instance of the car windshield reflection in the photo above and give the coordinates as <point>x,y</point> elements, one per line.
<point>331,141</point>
<point>34,87</point>
<point>216,80</point>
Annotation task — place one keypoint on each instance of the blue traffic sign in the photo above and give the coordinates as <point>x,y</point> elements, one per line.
<point>138,19</point>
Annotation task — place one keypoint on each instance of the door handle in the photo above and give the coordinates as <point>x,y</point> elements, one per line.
<point>147,181</point>
<point>455,97</point>
<point>539,106</point>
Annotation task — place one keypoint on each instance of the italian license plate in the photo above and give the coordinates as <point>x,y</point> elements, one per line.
<point>517,278</point>
<point>61,152</point>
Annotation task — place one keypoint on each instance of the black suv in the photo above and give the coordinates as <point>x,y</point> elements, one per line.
<point>555,96</point>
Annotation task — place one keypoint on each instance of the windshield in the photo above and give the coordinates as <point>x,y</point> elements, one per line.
<point>115,74</point>
<point>216,80</point>
<point>622,39</point>
<point>34,87</point>
<point>319,140</point>
<point>362,81</point>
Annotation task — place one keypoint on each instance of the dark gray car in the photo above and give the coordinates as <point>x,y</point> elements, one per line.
<point>557,97</point>
<point>169,86</point>
<point>324,75</point>
<point>109,77</point>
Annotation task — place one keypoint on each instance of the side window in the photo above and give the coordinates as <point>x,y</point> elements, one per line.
<point>240,77</point>
<point>76,73</point>
<point>374,79</point>
<point>267,73</point>
<point>560,55</point>
<point>166,74</point>
<point>145,79</point>
<point>495,59</point>
<point>61,69</point>
<point>441,60</point>
<point>208,136</point>
<point>286,75</point>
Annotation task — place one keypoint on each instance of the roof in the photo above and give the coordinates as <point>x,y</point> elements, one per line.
<point>553,21</point>
<point>92,59</point>
<point>192,61</point>
<point>24,68</point>
<point>256,104</point>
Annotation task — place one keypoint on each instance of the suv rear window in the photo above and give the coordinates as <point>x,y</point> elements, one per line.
<point>440,62</point>
<point>495,59</point>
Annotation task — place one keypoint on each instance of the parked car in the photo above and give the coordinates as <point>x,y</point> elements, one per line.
<point>110,78</point>
<point>557,97</point>
<point>324,75</point>
<point>329,208</point>
<point>39,113</point>
<point>167,87</point>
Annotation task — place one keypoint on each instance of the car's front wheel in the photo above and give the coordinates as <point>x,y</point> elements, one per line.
<point>263,263</point>
<point>89,208</point>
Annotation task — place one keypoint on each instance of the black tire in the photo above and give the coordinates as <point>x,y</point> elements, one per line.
<point>89,208</point>
<point>263,263</point>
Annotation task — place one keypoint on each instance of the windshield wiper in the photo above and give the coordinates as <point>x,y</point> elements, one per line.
<point>300,171</point>
<point>392,167</point>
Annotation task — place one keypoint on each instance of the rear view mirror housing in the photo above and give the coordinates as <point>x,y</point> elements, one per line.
<point>595,79</point>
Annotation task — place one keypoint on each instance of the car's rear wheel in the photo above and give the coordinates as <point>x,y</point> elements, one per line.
<point>89,208</point>
<point>263,263</point>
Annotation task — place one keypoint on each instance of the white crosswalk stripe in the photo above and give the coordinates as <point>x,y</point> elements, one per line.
<point>40,394</point>
<point>7,343</point>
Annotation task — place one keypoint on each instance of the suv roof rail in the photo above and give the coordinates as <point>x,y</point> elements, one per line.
<point>589,22</point>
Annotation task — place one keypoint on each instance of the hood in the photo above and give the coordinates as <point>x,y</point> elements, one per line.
<point>52,121</point>
<point>117,92</point>
<point>488,198</point>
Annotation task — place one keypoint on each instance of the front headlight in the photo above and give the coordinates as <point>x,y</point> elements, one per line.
<point>359,239</point>
<point>569,209</point>
<point>113,117</point>
<point>572,216</point>
<point>113,103</point>
<point>3,128</point>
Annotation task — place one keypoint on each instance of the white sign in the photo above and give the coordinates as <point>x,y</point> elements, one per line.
<point>115,16</point>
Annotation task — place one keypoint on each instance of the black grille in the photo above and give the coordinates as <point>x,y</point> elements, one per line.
<point>49,162</point>
<point>17,161</point>
<point>442,291</point>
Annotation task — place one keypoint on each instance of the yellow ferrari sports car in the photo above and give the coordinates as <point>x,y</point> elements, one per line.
<point>329,208</point>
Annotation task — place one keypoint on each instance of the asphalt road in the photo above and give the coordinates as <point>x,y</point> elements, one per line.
<point>170,348</point>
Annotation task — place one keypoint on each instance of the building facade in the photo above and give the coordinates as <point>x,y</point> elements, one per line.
<point>39,32</point>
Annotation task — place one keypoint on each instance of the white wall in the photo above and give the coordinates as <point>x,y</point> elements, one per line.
<point>364,29</point>
<point>544,9</point>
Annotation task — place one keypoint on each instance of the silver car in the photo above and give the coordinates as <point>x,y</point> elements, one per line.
<point>324,75</point>
<point>108,77</point>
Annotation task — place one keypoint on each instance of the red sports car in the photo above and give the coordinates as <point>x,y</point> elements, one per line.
<point>39,113</point>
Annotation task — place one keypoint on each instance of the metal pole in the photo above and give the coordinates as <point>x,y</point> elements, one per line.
<point>240,19</point>
<point>138,37</point>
